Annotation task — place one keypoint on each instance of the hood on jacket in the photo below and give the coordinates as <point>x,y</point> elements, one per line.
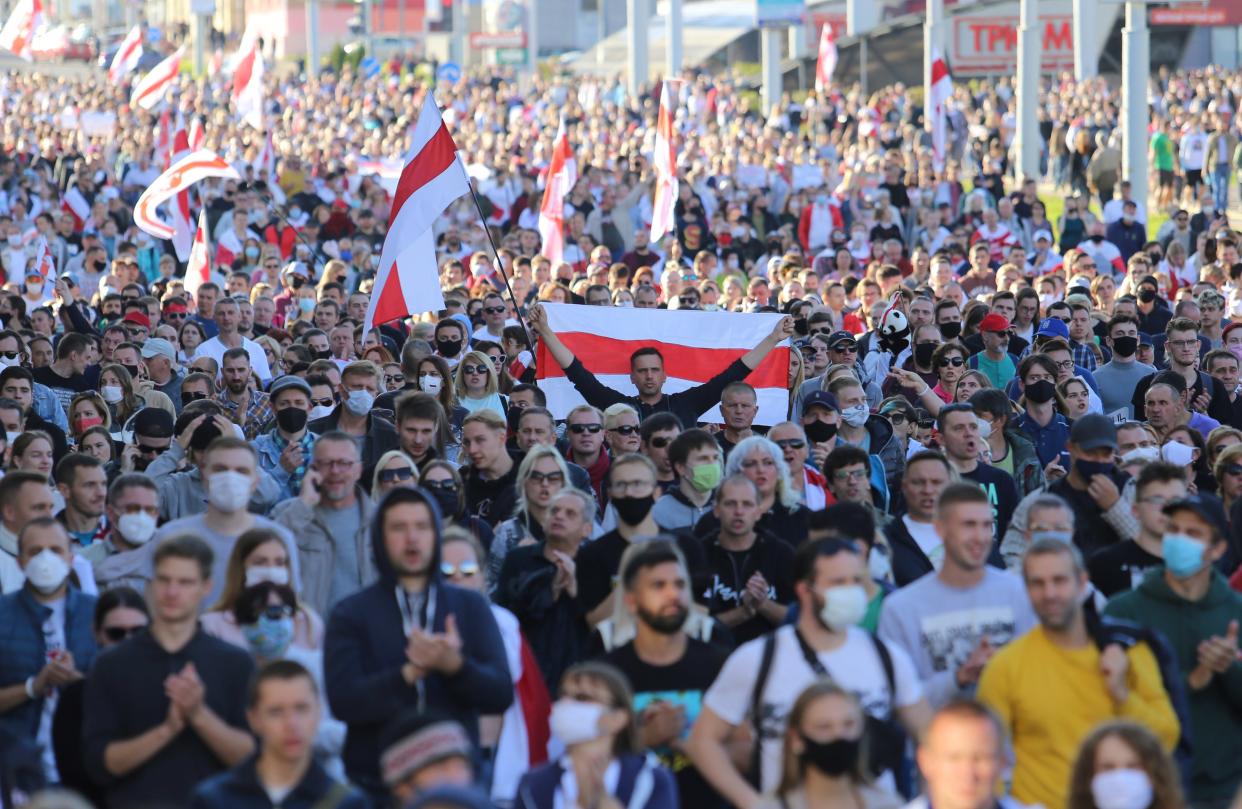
<point>1155,586</point>
<point>379,548</point>
<point>881,431</point>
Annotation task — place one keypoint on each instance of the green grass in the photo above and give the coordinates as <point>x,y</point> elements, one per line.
<point>1054,205</point>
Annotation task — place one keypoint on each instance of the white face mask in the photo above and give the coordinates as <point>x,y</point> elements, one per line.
<point>879,565</point>
<point>843,606</point>
<point>429,383</point>
<point>574,722</point>
<point>276,574</point>
<point>1177,454</point>
<point>11,437</point>
<point>46,571</point>
<point>319,412</point>
<point>359,402</point>
<point>229,491</point>
<point>112,393</point>
<point>1122,789</point>
<point>856,416</point>
<point>5,362</point>
<point>985,429</point>
<point>1141,454</point>
<point>136,528</point>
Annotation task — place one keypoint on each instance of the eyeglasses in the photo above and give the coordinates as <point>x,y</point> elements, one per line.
<point>394,379</point>
<point>956,362</point>
<point>791,443</point>
<point>493,310</point>
<point>579,429</point>
<point>1233,469</point>
<point>1065,365</point>
<point>849,474</point>
<point>895,417</point>
<point>687,301</point>
<point>116,634</point>
<point>401,473</point>
<point>660,441</point>
<point>545,477</point>
<point>175,315</point>
<point>467,568</point>
<point>1183,343</point>
<point>336,464</point>
<point>478,370</point>
<point>624,429</point>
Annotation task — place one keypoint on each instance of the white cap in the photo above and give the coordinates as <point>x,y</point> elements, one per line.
<point>1042,234</point>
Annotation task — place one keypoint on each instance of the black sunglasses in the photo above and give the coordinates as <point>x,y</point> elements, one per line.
<point>624,429</point>
<point>440,485</point>
<point>956,362</point>
<point>328,402</point>
<point>143,449</point>
<point>116,634</point>
<point>494,310</point>
<point>579,429</point>
<point>394,475</point>
<point>660,441</point>
<point>791,443</point>
<point>475,369</point>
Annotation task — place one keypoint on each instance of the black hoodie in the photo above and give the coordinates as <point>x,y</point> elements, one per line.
<point>364,650</point>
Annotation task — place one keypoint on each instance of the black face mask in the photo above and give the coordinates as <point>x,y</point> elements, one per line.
<point>1040,392</point>
<point>1097,239</point>
<point>448,348</point>
<point>99,265</point>
<point>291,419</point>
<point>800,327</point>
<point>923,354</point>
<point>446,499</point>
<point>1147,294</point>
<point>633,510</point>
<point>322,355</point>
<point>836,757</point>
<point>192,396</point>
<point>1125,346</point>
<point>819,431</point>
<point>133,370</point>
<point>1086,469</point>
<point>950,331</point>
<point>298,282</point>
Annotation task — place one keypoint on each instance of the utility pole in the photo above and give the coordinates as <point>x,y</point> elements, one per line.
<point>312,38</point>
<point>933,42</point>
<point>637,17</point>
<point>1086,40</point>
<point>770,58</point>
<point>1026,140</point>
<point>673,45</point>
<point>1135,116</point>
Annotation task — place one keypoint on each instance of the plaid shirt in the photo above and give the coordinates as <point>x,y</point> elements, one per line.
<point>258,413</point>
<point>1084,357</point>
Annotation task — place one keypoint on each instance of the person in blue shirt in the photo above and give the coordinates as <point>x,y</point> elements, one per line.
<point>1040,422</point>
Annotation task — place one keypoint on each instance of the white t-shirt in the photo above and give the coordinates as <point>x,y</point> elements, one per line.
<point>925,536</point>
<point>854,665</point>
<point>258,359</point>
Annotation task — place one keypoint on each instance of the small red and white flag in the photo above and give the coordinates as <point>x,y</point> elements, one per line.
<point>76,206</point>
<point>183,223</point>
<point>19,32</point>
<point>939,93</point>
<point>127,55</point>
<point>198,269</point>
<point>696,347</point>
<point>265,169</point>
<point>408,280</point>
<point>228,248</point>
<point>562,175</point>
<point>151,90</point>
<point>198,135</point>
<point>826,64</point>
<point>178,177</point>
<point>43,262</point>
<point>665,168</point>
<point>248,83</point>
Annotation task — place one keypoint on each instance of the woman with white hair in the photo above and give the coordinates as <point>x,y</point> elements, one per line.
<point>542,473</point>
<point>763,462</point>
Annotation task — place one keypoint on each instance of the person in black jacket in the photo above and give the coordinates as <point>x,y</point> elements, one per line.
<point>916,547</point>
<point>409,640</point>
<point>648,375</point>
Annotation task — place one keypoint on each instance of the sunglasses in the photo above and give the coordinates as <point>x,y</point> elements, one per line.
<point>956,362</point>
<point>660,442</point>
<point>579,429</point>
<point>465,569</point>
<point>274,612</point>
<point>1233,469</point>
<point>116,634</point>
<point>143,449</point>
<point>395,379</point>
<point>440,485</point>
<point>175,315</point>
<point>480,370</point>
<point>546,477</point>
<point>895,418</point>
<point>494,310</point>
<point>688,301</point>
<point>791,443</point>
<point>624,429</point>
<point>328,402</point>
<point>10,355</point>
<point>394,475</point>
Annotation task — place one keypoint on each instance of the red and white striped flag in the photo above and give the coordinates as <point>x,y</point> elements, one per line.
<point>19,32</point>
<point>228,248</point>
<point>183,223</point>
<point>665,167</point>
<point>408,280</point>
<point>198,135</point>
<point>696,346</point>
<point>826,64</point>
<point>562,175</point>
<point>43,262</point>
<point>150,91</point>
<point>198,269</point>
<point>180,176</point>
<point>76,206</point>
<point>127,55</point>
<point>939,93</point>
<point>248,83</point>
<point>265,169</point>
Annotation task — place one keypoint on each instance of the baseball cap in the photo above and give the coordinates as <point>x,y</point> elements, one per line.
<point>1209,509</point>
<point>839,338</point>
<point>1052,327</point>
<point>1042,235</point>
<point>152,422</point>
<point>296,268</point>
<point>1094,431</point>
<point>175,308</point>
<point>994,322</point>
<point>821,398</point>
<point>138,319</point>
<point>159,347</point>
<point>288,382</point>
<point>1145,339</point>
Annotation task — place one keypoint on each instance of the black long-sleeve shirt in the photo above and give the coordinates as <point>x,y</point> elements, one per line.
<point>687,405</point>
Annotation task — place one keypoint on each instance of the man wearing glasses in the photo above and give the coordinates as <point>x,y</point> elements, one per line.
<point>1182,351</point>
<point>495,318</point>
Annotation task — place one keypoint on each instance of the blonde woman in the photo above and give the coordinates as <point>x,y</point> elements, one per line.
<point>392,470</point>
<point>477,386</point>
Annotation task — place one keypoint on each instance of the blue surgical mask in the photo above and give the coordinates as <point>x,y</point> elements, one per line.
<point>252,253</point>
<point>1061,536</point>
<point>268,637</point>
<point>1183,555</point>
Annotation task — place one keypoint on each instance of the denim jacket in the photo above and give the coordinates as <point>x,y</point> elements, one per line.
<point>23,653</point>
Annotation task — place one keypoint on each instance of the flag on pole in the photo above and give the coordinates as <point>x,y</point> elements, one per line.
<point>228,248</point>
<point>44,264</point>
<point>198,136</point>
<point>127,55</point>
<point>180,176</point>
<point>826,64</point>
<point>665,168</point>
<point>248,83</point>
<point>183,223</point>
<point>19,32</point>
<point>940,92</point>
<point>76,206</point>
<point>265,169</point>
<point>150,91</point>
<point>562,174</point>
<point>408,280</point>
<point>696,347</point>
<point>198,269</point>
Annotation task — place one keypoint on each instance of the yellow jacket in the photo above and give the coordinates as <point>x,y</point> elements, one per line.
<point>1050,698</point>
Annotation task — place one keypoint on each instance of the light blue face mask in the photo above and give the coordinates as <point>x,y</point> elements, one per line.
<point>269,637</point>
<point>1183,555</point>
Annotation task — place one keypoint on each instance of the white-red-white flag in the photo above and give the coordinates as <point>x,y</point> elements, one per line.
<point>127,55</point>
<point>198,269</point>
<point>248,83</point>
<point>228,248</point>
<point>562,175</point>
<point>150,91</point>
<point>76,206</point>
<point>265,169</point>
<point>826,64</point>
<point>182,222</point>
<point>696,347</point>
<point>180,176</point>
<point>43,262</point>
<point>19,32</point>
<point>198,135</point>
<point>408,280</point>
<point>938,95</point>
<point>665,168</point>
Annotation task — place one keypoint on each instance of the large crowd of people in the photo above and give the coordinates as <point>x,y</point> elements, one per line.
<point>255,553</point>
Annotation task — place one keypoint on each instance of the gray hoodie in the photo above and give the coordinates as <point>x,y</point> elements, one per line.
<point>182,493</point>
